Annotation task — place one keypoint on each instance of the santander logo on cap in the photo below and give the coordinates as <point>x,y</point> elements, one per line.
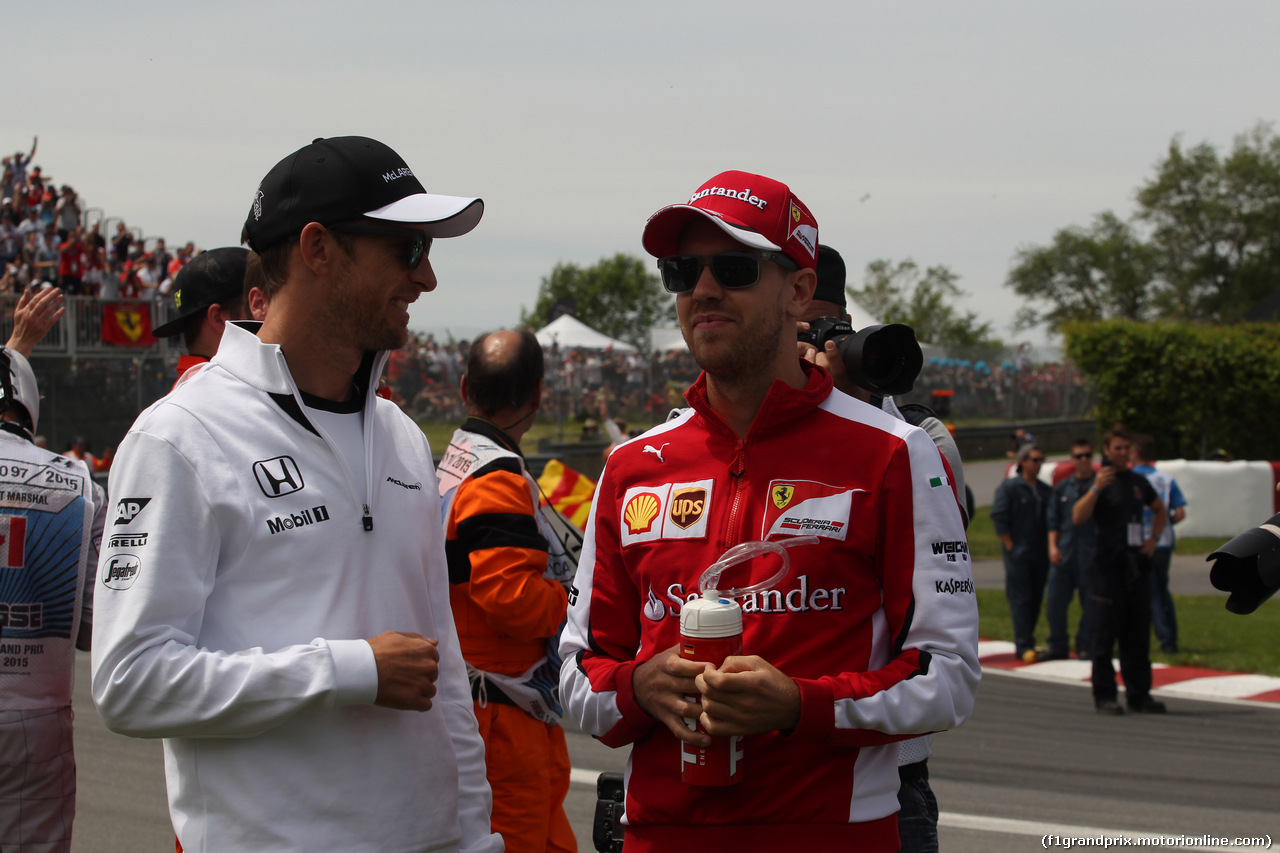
<point>741,195</point>
<point>754,210</point>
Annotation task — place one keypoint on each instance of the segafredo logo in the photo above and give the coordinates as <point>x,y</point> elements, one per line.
<point>741,195</point>
<point>120,571</point>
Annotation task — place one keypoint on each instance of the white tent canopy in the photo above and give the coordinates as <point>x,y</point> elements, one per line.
<point>568,332</point>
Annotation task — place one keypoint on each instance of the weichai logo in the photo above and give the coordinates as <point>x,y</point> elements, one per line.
<point>687,506</point>
<point>293,520</point>
<point>640,512</point>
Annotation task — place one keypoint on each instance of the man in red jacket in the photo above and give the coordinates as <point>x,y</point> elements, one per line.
<point>871,638</point>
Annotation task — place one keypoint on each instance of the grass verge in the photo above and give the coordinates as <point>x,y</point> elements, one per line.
<point>1208,636</point>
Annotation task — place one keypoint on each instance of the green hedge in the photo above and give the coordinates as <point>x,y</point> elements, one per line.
<point>1195,388</point>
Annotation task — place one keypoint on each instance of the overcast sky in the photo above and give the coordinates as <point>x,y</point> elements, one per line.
<point>947,132</point>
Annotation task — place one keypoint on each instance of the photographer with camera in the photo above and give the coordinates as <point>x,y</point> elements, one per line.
<point>1119,591</point>
<point>827,323</point>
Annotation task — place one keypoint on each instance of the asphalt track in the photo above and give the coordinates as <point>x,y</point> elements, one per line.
<point>1033,760</point>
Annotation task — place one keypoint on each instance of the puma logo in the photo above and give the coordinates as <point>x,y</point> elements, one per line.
<point>656,451</point>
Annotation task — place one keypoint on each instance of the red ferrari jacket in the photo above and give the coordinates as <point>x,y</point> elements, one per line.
<point>877,624</point>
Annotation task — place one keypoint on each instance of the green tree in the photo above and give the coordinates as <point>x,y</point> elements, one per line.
<point>1098,273</point>
<point>618,296</point>
<point>1203,244</point>
<point>925,301</point>
<point>1216,226</point>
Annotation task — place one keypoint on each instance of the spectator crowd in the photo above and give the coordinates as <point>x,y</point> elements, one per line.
<point>44,237</point>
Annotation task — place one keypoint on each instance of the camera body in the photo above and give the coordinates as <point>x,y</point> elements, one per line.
<point>884,358</point>
<point>606,829</point>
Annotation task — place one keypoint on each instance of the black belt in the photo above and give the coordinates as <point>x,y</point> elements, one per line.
<point>492,692</point>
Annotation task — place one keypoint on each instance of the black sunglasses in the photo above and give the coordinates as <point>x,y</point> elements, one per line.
<point>1035,458</point>
<point>1081,455</point>
<point>419,243</point>
<point>733,270</point>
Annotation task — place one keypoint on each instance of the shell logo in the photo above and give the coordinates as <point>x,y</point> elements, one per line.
<point>640,512</point>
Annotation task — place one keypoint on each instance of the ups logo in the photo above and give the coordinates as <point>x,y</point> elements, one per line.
<point>687,506</point>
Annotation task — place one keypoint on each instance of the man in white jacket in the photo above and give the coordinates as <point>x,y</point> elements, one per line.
<point>273,601</point>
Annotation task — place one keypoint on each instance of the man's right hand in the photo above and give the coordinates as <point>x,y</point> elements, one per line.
<point>661,685</point>
<point>1106,476</point>
<point>1055,555</point>
<point>408,666</point>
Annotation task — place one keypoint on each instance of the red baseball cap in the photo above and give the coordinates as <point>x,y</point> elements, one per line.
<point>754,210</point>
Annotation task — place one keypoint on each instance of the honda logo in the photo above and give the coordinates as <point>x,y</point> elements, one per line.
<point>279,476</point>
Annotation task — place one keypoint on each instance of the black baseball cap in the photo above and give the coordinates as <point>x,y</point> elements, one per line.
<point>207,279</point>
<point>831,276</point>
<point>346,177</point>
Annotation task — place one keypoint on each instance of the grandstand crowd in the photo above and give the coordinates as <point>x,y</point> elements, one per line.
<point>44,238</point>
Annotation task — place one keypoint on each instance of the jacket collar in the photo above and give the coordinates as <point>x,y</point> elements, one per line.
<point>781,403</point>
<point>262,366</point>
<point>491,431</point>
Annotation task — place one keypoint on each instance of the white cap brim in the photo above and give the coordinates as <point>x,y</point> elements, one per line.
<point>440,215</point>
<point>662,231</point>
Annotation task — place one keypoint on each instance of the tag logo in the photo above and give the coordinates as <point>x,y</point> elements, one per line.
<point>640,512</point>
<point>782,495</point>
<point>278,477</point>
<point>121,571</point>
<point>687,506</point>
<point>257,204</point>
<point>127,509</point>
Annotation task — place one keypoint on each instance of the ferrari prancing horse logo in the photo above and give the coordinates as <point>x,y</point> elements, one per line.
<point>782,495</point>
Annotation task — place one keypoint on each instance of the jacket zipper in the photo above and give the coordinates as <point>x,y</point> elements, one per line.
<point>738,473</point>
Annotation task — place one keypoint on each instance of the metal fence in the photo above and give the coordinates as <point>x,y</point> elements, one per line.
<point>90,388</point>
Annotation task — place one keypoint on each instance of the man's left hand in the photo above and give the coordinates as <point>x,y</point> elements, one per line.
<point>1148,547</point>
<point>747,696</point>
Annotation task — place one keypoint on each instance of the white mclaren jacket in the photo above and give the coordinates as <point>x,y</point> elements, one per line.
<point>242,575</point>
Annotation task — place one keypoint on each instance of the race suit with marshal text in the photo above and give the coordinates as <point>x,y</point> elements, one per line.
<point>877,624</point>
